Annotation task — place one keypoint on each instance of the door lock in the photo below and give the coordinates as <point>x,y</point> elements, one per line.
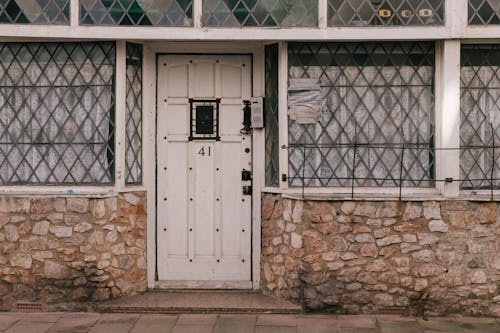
<point>246,175</point>
<point>247,190</point>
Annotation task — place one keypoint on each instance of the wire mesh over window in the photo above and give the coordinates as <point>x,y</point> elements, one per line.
<point>260,13</point>
<point>484,12</point>
<point>176,13</point>
<point>271,116</point>
<point>377,125</point>
<point>480,117</point>
<point>57,113</point>
<point>385,12</point>
<point>35,11</point>
<point>133,116</point>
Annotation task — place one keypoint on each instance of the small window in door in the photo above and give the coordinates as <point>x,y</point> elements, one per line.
<point>204,123</point>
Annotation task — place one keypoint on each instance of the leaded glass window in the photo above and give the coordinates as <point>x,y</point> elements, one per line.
<point>271,116</point>
<point>260,13</point>
<point>480,117</point>
<point>376,126</point>
<point>35,11</point>
<point>484,12</point>
<point>57,113</point>
<point>385,12</point>
<point>133,116</point>
<point>177,13</point>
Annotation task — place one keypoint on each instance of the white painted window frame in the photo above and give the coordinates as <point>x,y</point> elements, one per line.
<point>119,149</point>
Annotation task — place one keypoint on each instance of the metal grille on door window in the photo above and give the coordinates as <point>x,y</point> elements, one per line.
<point>204,119</point>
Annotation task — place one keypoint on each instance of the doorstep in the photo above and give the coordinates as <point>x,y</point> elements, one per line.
<point>180,301</point>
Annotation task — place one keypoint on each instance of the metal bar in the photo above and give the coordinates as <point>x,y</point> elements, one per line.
<point>493,162</point>
<point>353,178</point>
<point>303,171</point>
<point>401,171</point>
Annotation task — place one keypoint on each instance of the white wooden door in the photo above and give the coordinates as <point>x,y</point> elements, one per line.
<point>203,217</point>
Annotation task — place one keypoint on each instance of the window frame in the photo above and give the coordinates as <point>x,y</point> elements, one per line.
<point>446,106</point>
<point>119,146</point>
<point>475,193</point>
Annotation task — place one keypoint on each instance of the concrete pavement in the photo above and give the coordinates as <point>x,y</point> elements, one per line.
<point>49,322</point>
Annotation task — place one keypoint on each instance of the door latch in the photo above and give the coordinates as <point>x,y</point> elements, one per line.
<point>247,190</point>
<point>246,175</point>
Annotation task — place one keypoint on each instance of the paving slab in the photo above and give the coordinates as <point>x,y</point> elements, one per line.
<point>197,319</point>
<point>43,317</point>
<point>357,321</point>
<point>395,318</point>
<point>275,329</point>
<point>440,325</point>
<point>115,323</point>
<point>200,302</point>
<point>315,324</point>
<point>399,327</point>
<point>74,323</point>
<point>357,330</point>
<point>154,323</point>
<point>482,327</point>
<point>192,329</point>
<point>277,320</point>
<point>29,327</point>
<point>235,324</point>
<point>9,319</point>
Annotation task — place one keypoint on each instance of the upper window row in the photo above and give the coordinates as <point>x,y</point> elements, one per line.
<point>243,13</point>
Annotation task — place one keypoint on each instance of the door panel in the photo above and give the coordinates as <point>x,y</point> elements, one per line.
<point>203,218</point>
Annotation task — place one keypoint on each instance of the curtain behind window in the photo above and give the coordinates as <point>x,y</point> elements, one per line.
<point>56,113</point>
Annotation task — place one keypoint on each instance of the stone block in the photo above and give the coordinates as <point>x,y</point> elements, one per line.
<point>41,228</point>
<point>78,205</point>
<point>83,227</point>
<point>11,233</point>
<point>438,226</point>
<point>21,260</point>
<point>61,231</point>
<point>392,239</point>
<point>460,219</point>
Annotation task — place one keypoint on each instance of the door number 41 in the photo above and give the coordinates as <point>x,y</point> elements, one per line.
<point>203,151</point>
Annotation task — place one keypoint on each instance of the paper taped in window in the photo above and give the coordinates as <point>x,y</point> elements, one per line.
<point>306,102</point>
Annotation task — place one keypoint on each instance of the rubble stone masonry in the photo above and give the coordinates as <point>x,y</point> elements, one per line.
<point>67,253</point>
<point>371,257</point>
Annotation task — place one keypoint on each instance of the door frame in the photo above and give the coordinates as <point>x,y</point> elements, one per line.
<point>151,51</point>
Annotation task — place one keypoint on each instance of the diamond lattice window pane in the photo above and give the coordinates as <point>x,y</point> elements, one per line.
<point>35,11</point>
<point>176,13</point>
<point>480,117</point>
<point>376,127</point>
<point>260,13</point>
<point>57,113</point>
<point>133,116</point>
<point>271,107</point>
<point>484,12</point>
<point>385,12</point>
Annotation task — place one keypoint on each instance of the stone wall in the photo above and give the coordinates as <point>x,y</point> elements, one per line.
<point>67,253</point>
<point>369,257</point>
